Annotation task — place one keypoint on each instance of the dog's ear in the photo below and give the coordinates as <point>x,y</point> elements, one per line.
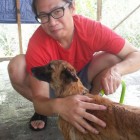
<point>69,75</point>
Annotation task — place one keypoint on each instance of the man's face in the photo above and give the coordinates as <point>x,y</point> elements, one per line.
<point>56,28</point>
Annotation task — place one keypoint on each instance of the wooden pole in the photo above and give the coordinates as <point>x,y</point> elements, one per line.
<point>19,25</point>
<point>99,10</point>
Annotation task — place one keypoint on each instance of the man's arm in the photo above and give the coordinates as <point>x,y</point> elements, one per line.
<point>130,60</point>
<point>130,63</point>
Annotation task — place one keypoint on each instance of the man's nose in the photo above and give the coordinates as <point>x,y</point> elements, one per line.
<point>52,21</point>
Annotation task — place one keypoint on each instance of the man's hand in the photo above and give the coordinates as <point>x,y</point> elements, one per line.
<point>73,109</point>
<point>108,80</point>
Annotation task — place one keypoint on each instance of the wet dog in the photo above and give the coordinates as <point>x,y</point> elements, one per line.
<point>123,122</point>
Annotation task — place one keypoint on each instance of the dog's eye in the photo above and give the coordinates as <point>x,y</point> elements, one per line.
<point>49,67</point>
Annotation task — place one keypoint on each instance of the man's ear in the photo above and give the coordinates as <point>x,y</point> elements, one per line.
<point>69,76</point>
<point>72,8</point>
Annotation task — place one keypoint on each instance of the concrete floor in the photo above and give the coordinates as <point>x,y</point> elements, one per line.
<point>15,113</point>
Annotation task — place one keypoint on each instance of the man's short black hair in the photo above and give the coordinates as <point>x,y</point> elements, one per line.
<point>35,9</point>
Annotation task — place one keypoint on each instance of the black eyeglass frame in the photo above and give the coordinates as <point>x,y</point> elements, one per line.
<point>50,13</point>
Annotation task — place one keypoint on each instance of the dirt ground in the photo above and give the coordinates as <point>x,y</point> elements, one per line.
<point>15,111</point>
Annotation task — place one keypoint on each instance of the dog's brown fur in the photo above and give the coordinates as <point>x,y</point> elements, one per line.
<point>123,122</point>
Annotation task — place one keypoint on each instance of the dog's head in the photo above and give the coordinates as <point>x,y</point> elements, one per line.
<point>57,73</point>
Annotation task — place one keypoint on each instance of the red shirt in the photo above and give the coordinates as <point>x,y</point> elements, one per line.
<point>89,37</point>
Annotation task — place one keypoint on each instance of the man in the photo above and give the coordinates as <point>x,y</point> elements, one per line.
<point>74,38</point>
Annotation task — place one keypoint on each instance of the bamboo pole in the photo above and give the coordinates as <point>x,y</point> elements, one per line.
<point>126,17</point>
<point>99,10</point>
<point>19,26</point>
<point>5,58</point>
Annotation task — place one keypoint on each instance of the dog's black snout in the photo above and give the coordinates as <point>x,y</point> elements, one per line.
<point>33,70</point>
<point>41,73</point>
<point>36,71</point>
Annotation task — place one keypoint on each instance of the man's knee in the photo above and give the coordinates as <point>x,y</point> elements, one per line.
<point>17,69</point>
<point>100,62</point>
<point>107,58</point>
<point>112,58</point>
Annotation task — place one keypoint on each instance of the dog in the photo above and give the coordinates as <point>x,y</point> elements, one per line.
<point>123,121</point>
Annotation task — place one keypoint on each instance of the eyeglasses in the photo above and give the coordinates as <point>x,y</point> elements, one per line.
<point>56,14</point>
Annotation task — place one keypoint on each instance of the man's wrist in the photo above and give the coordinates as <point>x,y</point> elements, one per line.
<point>57,106</point>
<point>117,69</point>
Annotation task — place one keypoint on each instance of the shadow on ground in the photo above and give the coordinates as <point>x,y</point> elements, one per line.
<point>15,113</point>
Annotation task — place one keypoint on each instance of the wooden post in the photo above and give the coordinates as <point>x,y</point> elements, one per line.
<point>99,10</point>
<point>19,25</point>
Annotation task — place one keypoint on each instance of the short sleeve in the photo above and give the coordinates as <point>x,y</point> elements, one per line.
<point>107,40</point>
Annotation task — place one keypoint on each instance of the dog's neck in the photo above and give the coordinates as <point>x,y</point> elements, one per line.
<point>72,88</point>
